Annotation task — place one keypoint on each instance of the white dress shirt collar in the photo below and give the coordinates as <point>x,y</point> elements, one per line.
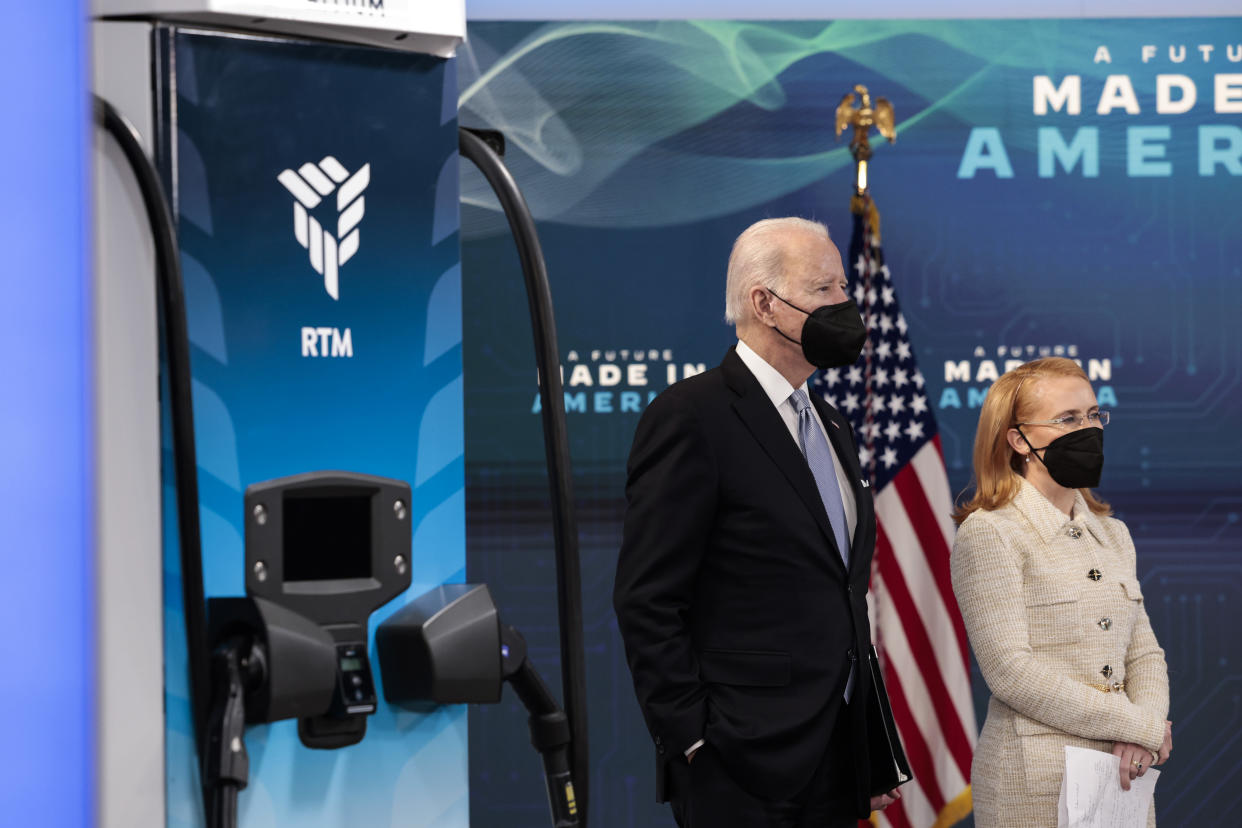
<point>774,385</point>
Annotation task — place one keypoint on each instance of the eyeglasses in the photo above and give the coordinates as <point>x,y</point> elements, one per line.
<point>1095,418</point>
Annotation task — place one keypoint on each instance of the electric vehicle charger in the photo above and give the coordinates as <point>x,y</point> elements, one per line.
<point>323,550</point>
<point>485,148</point>
<point>332,547</point>
<point>449,646</point>
<point>175,340</point>
<point>267,663</point>
<point>247,670</point>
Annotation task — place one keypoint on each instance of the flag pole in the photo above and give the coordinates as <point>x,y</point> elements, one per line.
<point>862,118</point>
<point>913,616</point>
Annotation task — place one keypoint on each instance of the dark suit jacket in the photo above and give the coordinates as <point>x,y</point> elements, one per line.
<point>739,619</point>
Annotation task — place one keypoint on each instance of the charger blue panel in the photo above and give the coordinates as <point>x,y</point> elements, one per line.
<point>307,183</point>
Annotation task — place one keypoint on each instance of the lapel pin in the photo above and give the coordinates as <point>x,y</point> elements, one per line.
<point>866,484</point>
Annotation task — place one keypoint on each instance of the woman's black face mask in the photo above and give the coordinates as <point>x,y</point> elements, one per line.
<point>1074,460</point>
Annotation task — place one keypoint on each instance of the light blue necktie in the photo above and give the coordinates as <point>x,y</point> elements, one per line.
<point>819,457</point>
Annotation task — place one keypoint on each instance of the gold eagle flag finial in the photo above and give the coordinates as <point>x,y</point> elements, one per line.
<point>862,119</point>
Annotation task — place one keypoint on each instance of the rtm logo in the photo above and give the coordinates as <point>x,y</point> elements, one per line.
<point>310,185</point>
<point>327,342</point>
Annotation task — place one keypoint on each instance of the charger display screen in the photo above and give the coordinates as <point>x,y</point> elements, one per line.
<point>326,538</point>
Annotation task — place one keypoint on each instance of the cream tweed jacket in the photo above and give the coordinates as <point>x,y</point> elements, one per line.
<point>1054,614</point>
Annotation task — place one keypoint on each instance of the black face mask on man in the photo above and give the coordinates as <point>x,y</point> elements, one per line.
<point>832,335</point>
<point>1074,460</point>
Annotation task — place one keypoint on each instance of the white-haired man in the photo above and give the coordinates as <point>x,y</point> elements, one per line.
<point>742,579</point>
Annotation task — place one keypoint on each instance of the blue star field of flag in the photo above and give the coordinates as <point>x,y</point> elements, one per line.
<point>883,394</point>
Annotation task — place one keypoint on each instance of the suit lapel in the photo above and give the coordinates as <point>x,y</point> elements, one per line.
<point>762,420</point>
<point>838,431</point>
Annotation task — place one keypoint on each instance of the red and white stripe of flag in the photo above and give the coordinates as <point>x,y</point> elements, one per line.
<point>922,643</point>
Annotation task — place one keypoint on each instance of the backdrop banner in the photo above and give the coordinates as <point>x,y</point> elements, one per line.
<point>1057,188</point>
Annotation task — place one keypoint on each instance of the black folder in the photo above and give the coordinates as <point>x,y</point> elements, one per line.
<point>889,766</point>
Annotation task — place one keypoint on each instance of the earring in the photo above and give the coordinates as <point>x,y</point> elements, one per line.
<point>1028,459</point>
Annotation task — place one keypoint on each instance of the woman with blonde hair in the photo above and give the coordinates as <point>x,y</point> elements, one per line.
<point>1046,582</point>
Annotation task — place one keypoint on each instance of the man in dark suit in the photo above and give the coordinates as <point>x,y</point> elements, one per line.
<point>742,579</point>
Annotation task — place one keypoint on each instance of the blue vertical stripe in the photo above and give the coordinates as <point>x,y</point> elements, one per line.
<point>46,421</point>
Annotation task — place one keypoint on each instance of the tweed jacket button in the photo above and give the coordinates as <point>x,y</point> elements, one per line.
<point>1095,574</point>
<point>1107,672</point>
<point>1074,532</point>
<point>1106,623</point>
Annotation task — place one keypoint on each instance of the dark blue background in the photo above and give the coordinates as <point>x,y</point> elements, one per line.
<point>1143,272</point>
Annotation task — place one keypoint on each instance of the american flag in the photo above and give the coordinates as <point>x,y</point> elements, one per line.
<point>918,629</point>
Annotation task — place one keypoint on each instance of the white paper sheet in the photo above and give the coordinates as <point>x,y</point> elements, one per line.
<point>1091,794</point>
